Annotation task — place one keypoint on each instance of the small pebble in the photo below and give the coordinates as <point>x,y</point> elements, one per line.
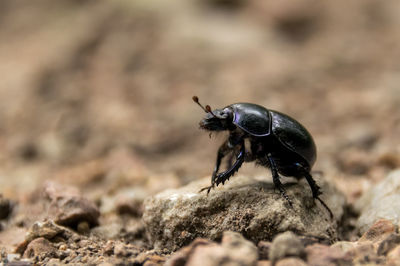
<point>83,227</point>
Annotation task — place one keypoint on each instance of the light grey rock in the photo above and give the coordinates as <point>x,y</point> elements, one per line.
<point>380,202</point>
<point>246,205</point>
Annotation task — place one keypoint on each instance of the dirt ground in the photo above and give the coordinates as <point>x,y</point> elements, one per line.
<point>98,94</point>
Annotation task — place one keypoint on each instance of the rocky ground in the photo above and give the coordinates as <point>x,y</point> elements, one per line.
<point>102,160</point>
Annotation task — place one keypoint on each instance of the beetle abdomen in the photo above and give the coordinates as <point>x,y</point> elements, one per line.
<point>294,136</point>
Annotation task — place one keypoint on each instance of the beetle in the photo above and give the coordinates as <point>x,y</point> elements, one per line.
<point>277,142</point>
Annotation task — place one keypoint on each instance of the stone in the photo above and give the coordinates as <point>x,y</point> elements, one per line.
<point>107,231</point>
<point>12,257</point>
<point>382,201</point>
<point>344,245</point>
<point>125,250</point>
<point>67,207</point>
<point>318,254</point>
<point>5,207</point>
<point>264,263</point>
<point>180,257</point>
<point>393,257</point>
<point>263,249</point>
<point>83,227</point>
<point>291,262</point>
<point>388,244</point>
<point>233,250</point>
<point>246,205</point>
<point>47,229</point>
<point>378,231</point>
<point>40,246</point>
<point>130,202</point>
<point>286,245</point>
<point>364,253</point>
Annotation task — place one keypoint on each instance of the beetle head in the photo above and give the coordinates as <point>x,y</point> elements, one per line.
<point>217,120</point>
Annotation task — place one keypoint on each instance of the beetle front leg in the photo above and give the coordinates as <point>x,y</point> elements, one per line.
<point>222,177</point>
<point>223,150</point>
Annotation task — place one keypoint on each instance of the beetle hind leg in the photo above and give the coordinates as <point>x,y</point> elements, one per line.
<point>276,180</point>
<point>316,190</point>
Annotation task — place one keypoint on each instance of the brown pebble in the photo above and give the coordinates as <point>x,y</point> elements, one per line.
<point>378,231</point>
<point>39,246</point>
<point>83,227</point>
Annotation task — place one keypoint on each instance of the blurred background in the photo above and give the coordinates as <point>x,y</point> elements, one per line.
<point>98,93</point>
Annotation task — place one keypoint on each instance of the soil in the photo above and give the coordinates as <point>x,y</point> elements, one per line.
<point>97,95</point>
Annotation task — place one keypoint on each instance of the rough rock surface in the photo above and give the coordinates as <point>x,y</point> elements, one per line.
<point>381,202</point>
<point>252,207</point>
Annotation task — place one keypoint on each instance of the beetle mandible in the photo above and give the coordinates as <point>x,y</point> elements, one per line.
<point>277,141</point>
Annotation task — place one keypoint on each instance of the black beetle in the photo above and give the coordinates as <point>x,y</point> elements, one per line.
<point>277,141</point>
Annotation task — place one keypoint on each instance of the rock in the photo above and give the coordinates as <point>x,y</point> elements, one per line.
<point>393,257</point>
<point>125,250</point>
<point>47,230</point>
<point>378,231</point>
<point>108,231</point>
<point>388,244</point>
<point>67,207</point>
<point>286,245</point>
<point>149,258</point>
<point>263,250</point>
<point>344,245</point>
<point>291,262</point>
<point>40,246</point>
<point>233,250</point>
<point>5,207</point>
<point>318,254</point>
<point>380,202</point>
<point>264,263</point>
<point>175,217</point>
<point>180,257</point>
<point>365,253</point>
<point>83,227</point>
<point>130,202</point>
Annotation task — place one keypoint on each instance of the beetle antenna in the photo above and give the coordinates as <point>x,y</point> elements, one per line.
<point>207,109</point>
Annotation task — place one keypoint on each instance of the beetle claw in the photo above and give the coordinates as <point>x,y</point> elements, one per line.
<point>207,188</point>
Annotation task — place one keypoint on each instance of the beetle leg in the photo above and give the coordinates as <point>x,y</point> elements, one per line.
<point>229,162</point>
<point>223,150</point>
<point>275,179</point>
<point>222,177</point>
<point>316,191</point>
